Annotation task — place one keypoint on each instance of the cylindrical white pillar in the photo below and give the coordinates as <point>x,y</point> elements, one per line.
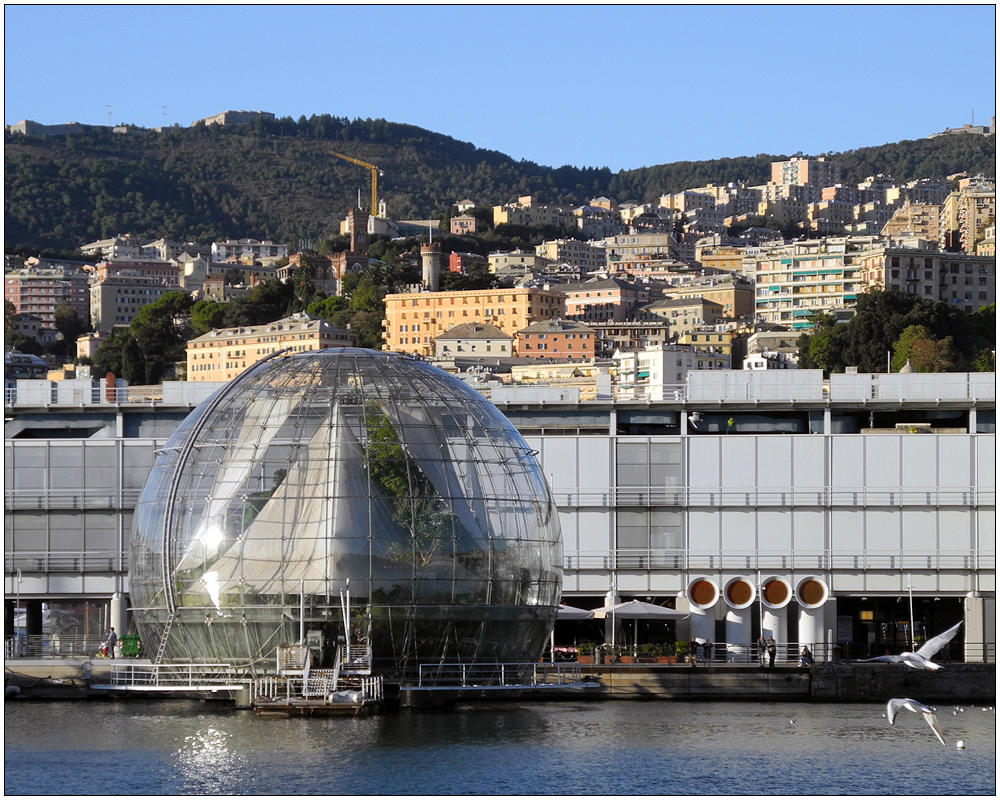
<point>776,624</point>
<point>118,620</point>
<point>740,594</point>
<point>812,594</point>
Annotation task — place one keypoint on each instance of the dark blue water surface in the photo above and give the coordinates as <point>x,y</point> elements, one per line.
<point>563,748</point>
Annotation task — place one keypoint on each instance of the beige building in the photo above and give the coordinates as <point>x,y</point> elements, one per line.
<point>517,262</point>
<point>800,278</point>
<point>916,219</point>
<point>685,314</point>
<point>474,339</point>
<point>959,279</point>
<point>527,211</point>
<point>118,299</point>
<point>816,172</point>
<point>734,295</point>
<point>223,353</point>
<point>571,251</point>
<point>413,320</point>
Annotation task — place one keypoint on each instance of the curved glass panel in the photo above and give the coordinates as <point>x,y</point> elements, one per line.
<point>315,469</point>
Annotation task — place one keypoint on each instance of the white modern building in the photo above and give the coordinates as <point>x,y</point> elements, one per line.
<point>775,500</point>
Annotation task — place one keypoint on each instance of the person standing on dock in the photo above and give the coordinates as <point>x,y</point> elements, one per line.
<point>772,649</point>
<point>111,642</point>
<point>761,649</point>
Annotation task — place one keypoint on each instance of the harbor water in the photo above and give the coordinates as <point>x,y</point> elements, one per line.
<point>140,747</point>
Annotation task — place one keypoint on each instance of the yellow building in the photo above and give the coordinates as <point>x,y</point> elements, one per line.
<point>223,353</point>
<point>415,319</point>
<point>735,296</point>
<point>709,341</point>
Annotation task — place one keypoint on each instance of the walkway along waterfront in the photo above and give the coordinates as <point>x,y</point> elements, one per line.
<point>823,682</point>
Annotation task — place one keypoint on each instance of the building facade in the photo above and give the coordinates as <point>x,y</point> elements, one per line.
<point>736,476</point>
<point>556,338</point>
<point>223,353</point>
<point>413,320</point>
<point>39,291</point>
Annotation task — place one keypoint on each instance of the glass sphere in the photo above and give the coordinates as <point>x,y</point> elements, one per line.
<point>316,475</point>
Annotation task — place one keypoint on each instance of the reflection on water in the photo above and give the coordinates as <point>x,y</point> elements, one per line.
<point>621,747</point>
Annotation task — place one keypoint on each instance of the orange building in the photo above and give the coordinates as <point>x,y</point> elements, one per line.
<point>413,320</point>
<point>556,338</point>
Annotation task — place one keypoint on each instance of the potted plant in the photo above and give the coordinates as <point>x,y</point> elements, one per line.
<point>648,653</point>
<point>585,652</point>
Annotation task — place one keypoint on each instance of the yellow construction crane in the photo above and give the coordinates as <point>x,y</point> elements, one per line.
<point>375,173</point>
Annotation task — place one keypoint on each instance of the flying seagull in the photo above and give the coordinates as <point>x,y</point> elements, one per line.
<point>922,658</point>
<point>912,705</point>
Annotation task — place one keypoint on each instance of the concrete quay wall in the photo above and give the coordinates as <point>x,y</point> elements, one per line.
<point>827,682</point>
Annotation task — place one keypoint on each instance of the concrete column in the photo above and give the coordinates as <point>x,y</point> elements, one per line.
<point>738,632</point>
<point>975,627</point>
<point>702,623</point>
<point>775,623</point>
<point>119,614</point>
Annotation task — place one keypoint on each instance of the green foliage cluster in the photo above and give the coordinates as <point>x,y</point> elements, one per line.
<point>277,179</point>
<point>933,335</point>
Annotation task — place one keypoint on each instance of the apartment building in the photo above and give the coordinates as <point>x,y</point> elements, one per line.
<point>413,320</point>
<point>143,267</point>
<point>124,247</point>
<point>527,211</point>
<point>599,300</point>
<point>39,290</point>
<point>248,250</point>
<point>960,279</point>
<point>685,314</point>
<point>628,335</point>
<point>627,250</point>
<point>800,278</point>
<point>556,338</point>
<point>736,296</point>
<point>223,353</point>
<point>921,220</point>
<point>707,340</point>
<point>517,262</point>
<point>571,251</point>
<point>816,172</point>
<point>168,251</point>
<point>118,299</point>
<point>474,339</point>
<point>660,372</point>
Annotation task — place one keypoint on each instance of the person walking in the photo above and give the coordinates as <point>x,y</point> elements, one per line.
<point>111,642</point>
<point>772,649</point>
<point>708,651</point>
<point>761,649</point>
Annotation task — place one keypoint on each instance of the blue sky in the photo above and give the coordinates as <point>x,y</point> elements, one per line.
<point>616,86</point>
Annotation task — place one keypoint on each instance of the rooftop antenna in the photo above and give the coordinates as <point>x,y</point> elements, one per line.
<point>359,197</point>
<point>109,116</point>
<point>164,116</point>
<point>430,232</point>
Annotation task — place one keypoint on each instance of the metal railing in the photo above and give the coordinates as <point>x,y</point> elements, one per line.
<point>754,496</point>
<point>48,645</point>
<point>780,560</point>
<point>175,677</point>
<point>498,675</point>
<point>319,684</point>
<point>66,561</point>
<point>45,499</point>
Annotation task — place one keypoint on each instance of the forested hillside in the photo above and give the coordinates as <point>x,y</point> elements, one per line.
<point>277,180</point>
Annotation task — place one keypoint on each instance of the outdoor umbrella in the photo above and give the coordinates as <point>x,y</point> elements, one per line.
<point>636,609</point>
<point>566,613</point>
